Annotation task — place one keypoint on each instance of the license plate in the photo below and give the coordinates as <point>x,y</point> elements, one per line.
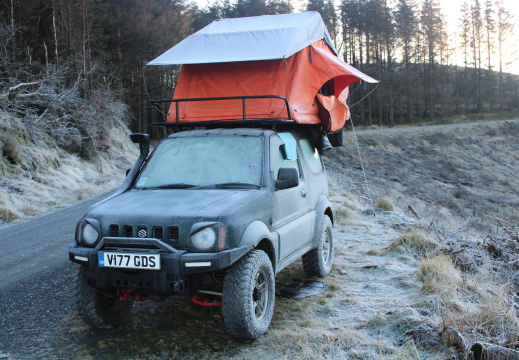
<point>129,260</point>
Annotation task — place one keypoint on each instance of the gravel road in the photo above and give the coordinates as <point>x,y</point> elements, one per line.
<point>36,278</point>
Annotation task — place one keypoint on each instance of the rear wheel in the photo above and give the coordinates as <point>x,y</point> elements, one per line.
<point>248,296</point>
<point>98,309</point>
<point>318,262</point>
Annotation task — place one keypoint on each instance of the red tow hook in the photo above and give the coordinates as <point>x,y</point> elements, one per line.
<point>123,294</point>
<point>139,297</point>
<point>206,302</point>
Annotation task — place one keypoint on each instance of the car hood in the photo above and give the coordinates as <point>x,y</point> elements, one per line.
<point>171,203</point>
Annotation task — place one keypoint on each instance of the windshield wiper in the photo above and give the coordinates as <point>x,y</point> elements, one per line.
<point>170,186</point>
<point>231,185</point>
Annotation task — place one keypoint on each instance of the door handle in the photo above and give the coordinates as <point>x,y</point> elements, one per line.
<point>303,193</point>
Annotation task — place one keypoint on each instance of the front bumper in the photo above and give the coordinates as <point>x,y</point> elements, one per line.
<point>176,265</point>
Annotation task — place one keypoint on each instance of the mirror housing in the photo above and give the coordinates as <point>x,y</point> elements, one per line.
<point>143,140</point>
<point>287,178</point>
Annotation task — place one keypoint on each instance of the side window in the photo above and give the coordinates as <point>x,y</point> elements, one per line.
<point>311,156</point>
<point>282,161</point>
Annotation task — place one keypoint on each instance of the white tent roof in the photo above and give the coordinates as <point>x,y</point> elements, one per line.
<point>268,37</point>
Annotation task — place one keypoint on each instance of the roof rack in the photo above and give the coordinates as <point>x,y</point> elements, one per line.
<point>230,123</point>
<point>244,118</point>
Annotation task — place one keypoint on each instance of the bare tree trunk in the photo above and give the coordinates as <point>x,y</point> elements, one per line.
<point>362,105</point>
<point>391,108</point>
<point>431,84</point>
<point>457,95</point>
<point>423,111</point>
<point>55,35</point>
<point>489,28</point>
<point>381,96</point>
<point>69,28</point>
<point>83,38</point>
<point>12,30</point>
<point>501,91</point>
<point>46,57</point>
<point>409,91</point>
<point>369,110</point>
<point>12,15</point>
<point>367,64</point>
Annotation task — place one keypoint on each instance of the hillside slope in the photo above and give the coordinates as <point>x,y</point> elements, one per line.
<point>447,172</point>
<point>38,174</point>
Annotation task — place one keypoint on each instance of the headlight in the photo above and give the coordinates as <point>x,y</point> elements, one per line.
<point>90,235</point>
<point>208,237</point>
<point>204,240</point>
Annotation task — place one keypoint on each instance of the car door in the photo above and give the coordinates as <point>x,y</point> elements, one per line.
<point>292,220</point>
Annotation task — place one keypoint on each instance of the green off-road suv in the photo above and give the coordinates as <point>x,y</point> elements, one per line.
<point>212,215</point>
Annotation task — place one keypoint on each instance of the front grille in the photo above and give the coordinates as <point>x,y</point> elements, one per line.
<point>114,230</point>
<point>173,233</point>
<point>158,232</point>
<point>128,231</point>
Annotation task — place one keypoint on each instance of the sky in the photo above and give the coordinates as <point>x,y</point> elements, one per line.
<point>451,11</point>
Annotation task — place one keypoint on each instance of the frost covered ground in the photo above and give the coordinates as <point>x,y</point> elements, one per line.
<point>38,177</point>
<point>393,293</point>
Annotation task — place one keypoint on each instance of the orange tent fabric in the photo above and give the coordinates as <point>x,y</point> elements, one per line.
<point>297,78</point>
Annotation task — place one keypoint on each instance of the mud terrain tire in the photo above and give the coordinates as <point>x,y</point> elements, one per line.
<point>248,296</point>
<point>318,262</point>
<point>97,309</point>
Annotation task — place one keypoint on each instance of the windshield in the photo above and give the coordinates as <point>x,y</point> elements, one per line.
<point>233,161</point>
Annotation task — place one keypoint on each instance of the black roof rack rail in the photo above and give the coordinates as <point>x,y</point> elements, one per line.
<point>229,123</point>
<point>278,124</point>
<point>244,107</point>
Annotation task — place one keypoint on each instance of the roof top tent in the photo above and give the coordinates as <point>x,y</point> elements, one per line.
<point>262,67</point>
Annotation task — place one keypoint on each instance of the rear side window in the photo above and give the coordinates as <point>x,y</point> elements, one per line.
<point>311,156</point>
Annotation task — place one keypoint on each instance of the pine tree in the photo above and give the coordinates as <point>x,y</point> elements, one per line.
<point>504,29</point>
<point>430,24</point>
<point>476,52</point>
<point>489,24</point>
<point>465,22</point>
<point>407,27</point>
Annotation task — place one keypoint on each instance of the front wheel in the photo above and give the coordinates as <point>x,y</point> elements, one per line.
<point>318,262</point>
<point>98,309</point>
<point>248,296</point>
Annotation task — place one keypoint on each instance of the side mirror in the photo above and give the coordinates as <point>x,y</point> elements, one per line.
<point>287,178</point>
<point>143,140</point>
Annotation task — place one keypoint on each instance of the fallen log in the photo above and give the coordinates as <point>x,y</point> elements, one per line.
<point>484,351</point>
